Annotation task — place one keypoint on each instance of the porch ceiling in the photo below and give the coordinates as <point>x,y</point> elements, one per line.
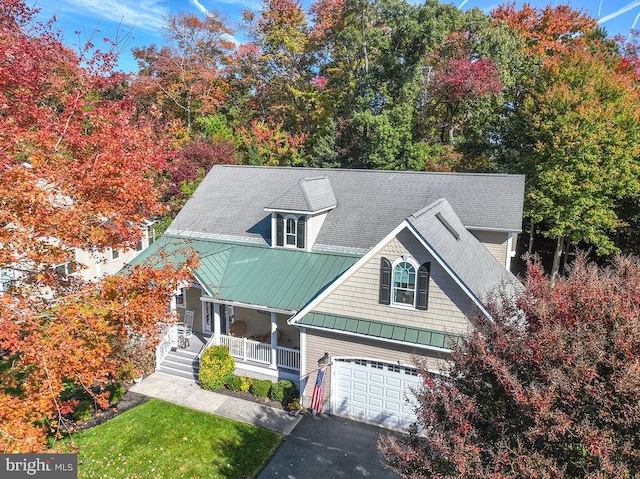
<point>276,278</point>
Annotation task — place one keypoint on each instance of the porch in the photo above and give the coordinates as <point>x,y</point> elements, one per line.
<point>253,358</point>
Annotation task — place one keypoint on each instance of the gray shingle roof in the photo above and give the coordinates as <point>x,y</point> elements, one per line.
<point>468,259</point>
<point>309,195</point>
<point>230,202</point>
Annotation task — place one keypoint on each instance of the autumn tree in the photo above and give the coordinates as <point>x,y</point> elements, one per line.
<point>547,388</point>
<point>185,77</point>
<point>78,169</point>
<point>574,131</point>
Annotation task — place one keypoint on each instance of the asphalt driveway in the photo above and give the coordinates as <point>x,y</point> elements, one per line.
<point>329,447</point>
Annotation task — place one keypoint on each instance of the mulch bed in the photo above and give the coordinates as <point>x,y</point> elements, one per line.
<point>128,401</point>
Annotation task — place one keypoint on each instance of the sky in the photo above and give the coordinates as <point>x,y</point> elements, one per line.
<point>141,21</point>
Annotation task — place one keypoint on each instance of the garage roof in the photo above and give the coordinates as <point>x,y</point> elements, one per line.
<point>379,330</point>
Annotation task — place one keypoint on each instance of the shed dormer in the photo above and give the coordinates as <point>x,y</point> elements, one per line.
<point>297,215</point>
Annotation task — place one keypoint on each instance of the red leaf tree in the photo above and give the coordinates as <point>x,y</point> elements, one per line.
<point>549,389</point>
<point>78,169</point>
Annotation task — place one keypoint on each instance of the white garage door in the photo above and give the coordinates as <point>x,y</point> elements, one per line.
<point>374,391</point>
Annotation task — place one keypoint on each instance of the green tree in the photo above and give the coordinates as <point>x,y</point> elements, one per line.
<point>577,138</point>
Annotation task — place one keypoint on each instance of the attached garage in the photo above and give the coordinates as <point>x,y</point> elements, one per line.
<point>374,391</point>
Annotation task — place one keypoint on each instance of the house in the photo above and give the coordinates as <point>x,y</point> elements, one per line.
<point>362,270</point>
<point>85,264</point>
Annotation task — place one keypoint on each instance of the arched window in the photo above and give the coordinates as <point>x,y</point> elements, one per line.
<point>291,230</point>
<point>404,283</point>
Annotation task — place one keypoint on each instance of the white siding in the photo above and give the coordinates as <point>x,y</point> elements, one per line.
<point>314,224</point>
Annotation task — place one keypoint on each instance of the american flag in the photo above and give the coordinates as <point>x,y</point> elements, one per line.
<point>318,391</point>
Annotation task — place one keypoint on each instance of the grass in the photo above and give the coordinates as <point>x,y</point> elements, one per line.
<point>161,440</point>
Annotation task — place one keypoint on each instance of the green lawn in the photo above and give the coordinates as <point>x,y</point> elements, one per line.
<point>161,440</point>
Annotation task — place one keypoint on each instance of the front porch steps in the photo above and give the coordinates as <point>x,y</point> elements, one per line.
<point>181,363</point>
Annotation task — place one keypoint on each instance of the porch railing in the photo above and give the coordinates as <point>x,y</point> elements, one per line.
<point>249,350</point>
<point>288,358</point>
<point>168,340</point>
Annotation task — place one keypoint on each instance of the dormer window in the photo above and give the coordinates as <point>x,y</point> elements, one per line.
<point>404,283</point>
<point>290,231</point>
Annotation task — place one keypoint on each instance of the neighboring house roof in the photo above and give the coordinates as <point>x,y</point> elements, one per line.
<point>230,202</point>
<point>309,195</point>
<point>273,278</point>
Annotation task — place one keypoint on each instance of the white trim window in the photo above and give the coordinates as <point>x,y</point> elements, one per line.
<point>404,283</point>
<point>181,298</point>
<point>291,231</point>
<point>114,254</point>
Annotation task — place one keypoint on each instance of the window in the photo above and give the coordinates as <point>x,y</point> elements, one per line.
<point>63,269</point>
<point>404,283</point>
<point>290,231</point>
<point>181,298</point>
<point>139,246</point>
<point>115,254</point>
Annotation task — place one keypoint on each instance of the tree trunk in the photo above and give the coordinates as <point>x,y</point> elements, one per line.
<point>532,228</point>
<point>557,256</point>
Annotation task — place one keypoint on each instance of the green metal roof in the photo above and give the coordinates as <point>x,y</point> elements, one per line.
<point>379,330</point>
<point>276,278</point>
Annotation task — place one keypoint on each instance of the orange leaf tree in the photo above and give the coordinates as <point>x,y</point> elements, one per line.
<point>77,170</point>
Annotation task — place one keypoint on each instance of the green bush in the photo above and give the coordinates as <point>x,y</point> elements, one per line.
<point>216,367</point>
<point>276,393</point>
<point>291,392</point>
<point>116,391</point>
<point>83,410</point>
<point>260,388</point>
<point>234,383</point>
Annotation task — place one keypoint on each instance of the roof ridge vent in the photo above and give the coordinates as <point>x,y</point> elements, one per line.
<point>447,225</point>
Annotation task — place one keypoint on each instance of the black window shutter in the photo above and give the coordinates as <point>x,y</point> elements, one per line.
<point>385,281</point>
<point>279,230</point>
<point>423,286</point>
<point>301,231</point>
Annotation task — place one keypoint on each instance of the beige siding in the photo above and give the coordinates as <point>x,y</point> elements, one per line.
<point>357,296</point>
<point>496,242</point>
<point>343,346</point>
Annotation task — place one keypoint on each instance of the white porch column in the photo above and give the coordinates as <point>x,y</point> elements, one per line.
<point>173,305</point>
<point>274,340</point>
<point>216,322</point>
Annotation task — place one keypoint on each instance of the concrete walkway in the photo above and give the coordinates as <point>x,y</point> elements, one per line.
<point>188,394</point>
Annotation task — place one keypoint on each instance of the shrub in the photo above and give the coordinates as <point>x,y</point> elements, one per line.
<point>245,383</point>
<point>291,392</point>
<point>83,410</point>
<point>260,388</point>
<point>234,383</point>
<point>216,367</point>
<point>276,393</point>
<point>116,391</point>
